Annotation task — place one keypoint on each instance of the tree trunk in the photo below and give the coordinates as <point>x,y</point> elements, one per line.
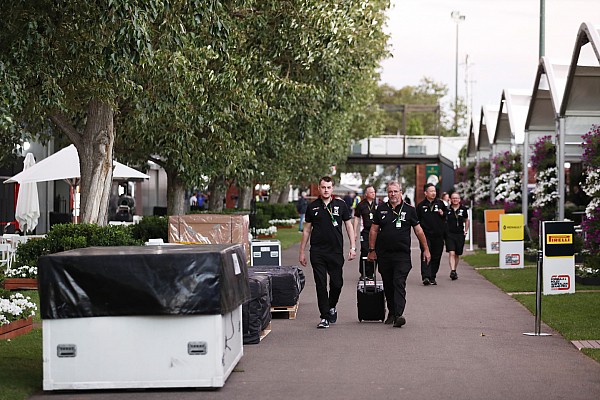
<point>284,196</point>
<point>216,187</point>
<point>95,149</point>
<point>245,196</point>
<point>274,196</point>
<point>175,193</point>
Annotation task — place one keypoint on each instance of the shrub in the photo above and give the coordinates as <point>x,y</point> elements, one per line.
<point>150,227</point>
<point>64,237</point>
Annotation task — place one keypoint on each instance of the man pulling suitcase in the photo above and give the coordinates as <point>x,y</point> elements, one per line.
<point>389,244</point>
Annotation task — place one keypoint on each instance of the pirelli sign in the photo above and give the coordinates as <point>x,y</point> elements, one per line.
<point>559,239</point>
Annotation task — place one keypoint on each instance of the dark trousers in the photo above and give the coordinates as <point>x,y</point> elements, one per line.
<point>322,265</point>
<point>436,248</point>
<point>394,272</point>
<point>369,267</point>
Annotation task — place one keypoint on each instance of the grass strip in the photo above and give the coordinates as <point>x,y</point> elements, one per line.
<point>21,365</point>
<point>288,237</point>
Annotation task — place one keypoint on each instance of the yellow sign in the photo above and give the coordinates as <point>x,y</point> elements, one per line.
<point>511,227</point>
<point>492,217</point>
<point>562,238</point>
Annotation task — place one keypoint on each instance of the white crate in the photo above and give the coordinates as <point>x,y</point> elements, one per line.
<point>141,351</point>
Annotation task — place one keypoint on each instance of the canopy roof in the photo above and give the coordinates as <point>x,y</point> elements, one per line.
<point>487,127</point>
<point>511,117</point>
<point>547,95</point>
<point>64,164</point>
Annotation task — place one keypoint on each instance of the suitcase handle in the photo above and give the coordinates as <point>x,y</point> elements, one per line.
<point>364,271</point>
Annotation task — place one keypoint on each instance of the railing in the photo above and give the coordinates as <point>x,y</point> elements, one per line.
<point>399,146</point>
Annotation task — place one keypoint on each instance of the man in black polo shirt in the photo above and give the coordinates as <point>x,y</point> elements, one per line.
<point>432,216</point>
<point>323,225</point>
<point>364,212</point>
<point>389,244</point>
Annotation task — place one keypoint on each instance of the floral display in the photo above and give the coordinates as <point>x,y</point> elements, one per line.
<point>546,189</point>
<point>282,222</point>
<point>22,272</point>
<point>508,187</point>
<point>591,187</point>
<point>272,230</point>
<point>15,307</point>
<point>543,160</point>
<point>481,187</point>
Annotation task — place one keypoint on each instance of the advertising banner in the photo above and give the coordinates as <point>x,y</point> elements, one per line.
<point>511,241</point>
<point>558,257</point>
<point>492,240</point>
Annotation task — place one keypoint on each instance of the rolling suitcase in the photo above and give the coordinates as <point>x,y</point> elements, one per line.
<point>370,299</point>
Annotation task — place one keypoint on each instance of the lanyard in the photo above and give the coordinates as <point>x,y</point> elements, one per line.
<point>330,213</point>
<point>455,214</point>
<point>396,213</point>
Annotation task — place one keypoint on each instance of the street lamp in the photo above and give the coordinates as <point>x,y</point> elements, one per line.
<point>457,17</point>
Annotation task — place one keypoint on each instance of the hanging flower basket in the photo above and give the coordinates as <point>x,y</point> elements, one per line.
<point>20,283</point>
<point>16,328</point>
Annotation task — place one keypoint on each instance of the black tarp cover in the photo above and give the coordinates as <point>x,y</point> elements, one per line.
<point>287,283</point>
<point>256,313</point>
<point>143,280</point>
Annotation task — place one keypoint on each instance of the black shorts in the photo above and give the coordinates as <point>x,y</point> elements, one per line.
<point>455,242</point>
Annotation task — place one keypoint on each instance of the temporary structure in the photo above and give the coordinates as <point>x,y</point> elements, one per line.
<point>27,211</point>
<point>64,164</point>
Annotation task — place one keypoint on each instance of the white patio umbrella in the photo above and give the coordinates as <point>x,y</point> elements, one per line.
<point>27,212</point>
<point>64,164</point>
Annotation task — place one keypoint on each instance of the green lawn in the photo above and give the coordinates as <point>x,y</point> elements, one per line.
<point>288,237</point>
<point>21,365</point>
<point>576,316</point>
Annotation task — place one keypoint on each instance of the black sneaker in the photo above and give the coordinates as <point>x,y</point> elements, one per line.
<point>426,281</point>
<point>453,275</point>
<point>324,324</point>
<point>399,321</point>
<point>332,315</point>
<point>390,319</point>
<point>432,282</point>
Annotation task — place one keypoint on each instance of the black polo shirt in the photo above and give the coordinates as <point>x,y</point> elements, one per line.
<point>366,212</point>
<point>325,236</point>
<point>432,222</point>
<point>455,219</point>
<point>391,238</point>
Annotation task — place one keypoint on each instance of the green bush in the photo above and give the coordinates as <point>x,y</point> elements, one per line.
<point>64,237</point>
<point>151,227</point>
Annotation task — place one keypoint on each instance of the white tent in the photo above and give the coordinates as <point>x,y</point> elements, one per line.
<point>64,164</point>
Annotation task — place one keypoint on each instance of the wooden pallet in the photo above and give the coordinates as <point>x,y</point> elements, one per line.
<point>290,311</point>
<point>265,332</point>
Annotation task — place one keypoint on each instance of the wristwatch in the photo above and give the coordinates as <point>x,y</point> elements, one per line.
<point>371,250</point>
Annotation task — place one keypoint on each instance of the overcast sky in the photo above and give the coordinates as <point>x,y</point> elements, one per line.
<point>500,37</point>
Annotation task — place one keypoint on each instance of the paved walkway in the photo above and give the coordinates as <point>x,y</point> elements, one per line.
<point>463,340</point>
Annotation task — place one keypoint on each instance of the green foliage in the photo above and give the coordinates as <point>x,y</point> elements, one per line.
<point>266,212</point>
<point>150,227</point>
<point>64,237</point>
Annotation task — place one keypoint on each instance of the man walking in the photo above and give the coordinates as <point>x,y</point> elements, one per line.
<point>458,225</point>
<point>323,225</point>
<point>432,216</point>
<point>389,244</point>
<point>301,208</point>
<point>364,211</point>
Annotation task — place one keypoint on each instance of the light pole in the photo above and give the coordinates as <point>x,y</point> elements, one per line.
<point>457,17</point>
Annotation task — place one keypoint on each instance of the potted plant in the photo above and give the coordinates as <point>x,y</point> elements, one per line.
<point>24,277</point>
<point>16,315</point>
